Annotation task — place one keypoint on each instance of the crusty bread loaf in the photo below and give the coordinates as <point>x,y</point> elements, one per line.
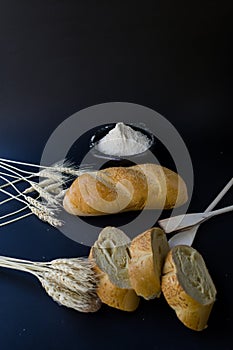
<point>148,251</point>
<point>120,189</point>
<point>113,296</point>
<point>111,253</point>
<point>188,287</point>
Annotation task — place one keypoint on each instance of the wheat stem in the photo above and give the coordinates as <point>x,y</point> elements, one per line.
<point>13,196</point>
<point>26,164</point>
<point>16,219</point>
<point>56,167</point>
<point>19,179</point>
<point>16,189</point>
<point>8,258</point>
<point>14,212</point>
<point>27,200</point>
<point>64,168</point>
<point>44,194</point>
<point>15,172</point>
<point>8,166</point>
<point>48,197</point>
<point>9,199</point>
<point>10,175</point>
<point>16,266</point>
<point>41,211</point>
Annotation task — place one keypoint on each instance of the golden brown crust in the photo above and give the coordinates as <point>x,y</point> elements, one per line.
<point>176,192</point>
<point>144,267</point>
<point>191,313</point>
<point>113,296</point>
<point>119,189</point>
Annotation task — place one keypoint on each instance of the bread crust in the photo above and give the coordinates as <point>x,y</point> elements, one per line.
<point>145,268</point>
<point>192,313</point>
<point>113,296</point>
<point>111,253</point>
<point>120,189</point>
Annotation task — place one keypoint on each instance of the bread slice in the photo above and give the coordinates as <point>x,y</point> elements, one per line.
<point>111,253</point>
<point>113,296</point>
<point>188,287</point>
<point>148,251</point>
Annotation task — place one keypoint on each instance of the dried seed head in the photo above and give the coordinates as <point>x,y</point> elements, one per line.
<point>73,283</point>
<point>85,302</point>
<point>61,195</point>
<point>54,188</point>
<point>44,194</point>
<point>34,202</point>
<point>80,269</point>
<point>51,175</point>
<point>45,217</point>
<point>70,282</point>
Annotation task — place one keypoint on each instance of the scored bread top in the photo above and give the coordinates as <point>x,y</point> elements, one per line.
<point>119,189</point>
<point>107,191</point>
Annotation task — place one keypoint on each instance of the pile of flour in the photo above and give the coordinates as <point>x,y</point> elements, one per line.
<point>122,140</point>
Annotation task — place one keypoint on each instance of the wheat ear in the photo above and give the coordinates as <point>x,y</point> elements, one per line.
<point>74,285</point>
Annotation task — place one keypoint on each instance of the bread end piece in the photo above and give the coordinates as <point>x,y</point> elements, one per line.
<point>148,251</point>
<point>188,287</point>
<point>111,253</point>
<point>113,296</point>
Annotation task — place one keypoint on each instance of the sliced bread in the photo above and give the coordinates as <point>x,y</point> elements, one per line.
<point>188,287</point>
<point>148,251</point>
<point>111,253</point>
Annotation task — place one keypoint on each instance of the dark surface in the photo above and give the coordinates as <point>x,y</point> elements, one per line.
<point>58,57</point>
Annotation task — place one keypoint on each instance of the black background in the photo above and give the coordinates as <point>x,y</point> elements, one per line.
<point>58,57</point>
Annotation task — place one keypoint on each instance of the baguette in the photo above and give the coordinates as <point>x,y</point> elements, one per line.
<point>148,251</point>
<point>121,189</point>
<point>132,265</point>
<point>113,296</point>
<point>188,287</point>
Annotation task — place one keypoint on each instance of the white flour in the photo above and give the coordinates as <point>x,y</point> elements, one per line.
<point>122,140</point>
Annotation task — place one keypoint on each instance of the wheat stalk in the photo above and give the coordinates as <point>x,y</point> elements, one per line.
<point>64,167</point>
<point>50,189</point>
<point>53,176</point>
<point>43,212</point>
<point>42,192</point>
<point>44,216</point>
<point>70,282</point>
